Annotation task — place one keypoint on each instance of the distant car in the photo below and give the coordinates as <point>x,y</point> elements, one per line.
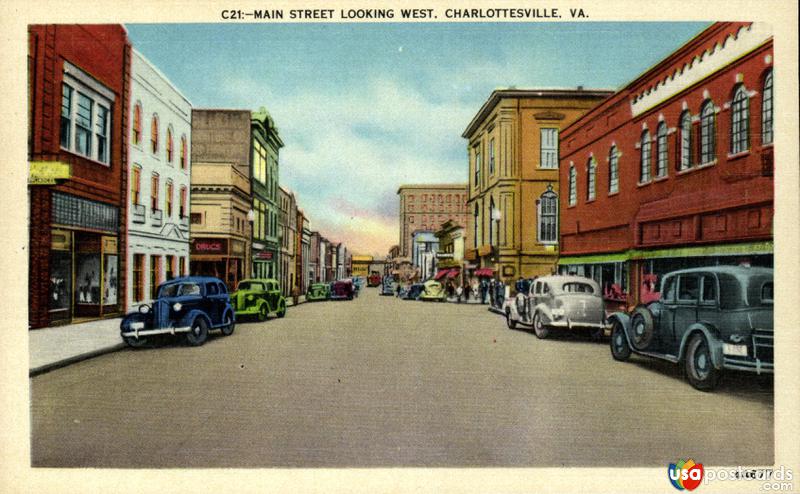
<point>342,290</point>
<point>190,305</point>
<point>558,302</point>
<point>433,290</point>
<point>359,282</point>
<point>707,319</point>
<point>412,292</point>
<point>388,286</point>
<point>258,297</point>
<point>374,280</point>
<point>318,291</point>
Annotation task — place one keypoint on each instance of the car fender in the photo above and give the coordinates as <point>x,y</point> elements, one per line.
<point>265,302</point>
<point>544,313</point>
<point>511,309</point>
<point>188,319</point>
<point>132,317</point>
<point>623,319</point>
<point>712,337</point>
<point>232,313</point>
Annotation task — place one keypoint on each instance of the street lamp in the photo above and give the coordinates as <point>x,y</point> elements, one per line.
<point>496,216</point>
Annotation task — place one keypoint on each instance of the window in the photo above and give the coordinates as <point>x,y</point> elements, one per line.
<point>66,115</point>
<point>155,275</point>
<point>688,288</point>
<point>766,110</point>
<point>85,115</point>
<point>475,225</point>
<point>662,153</point>
<point>491,221</point>
<point>644,173</point>
<point>686,141</point>
<point>548,144</point>
<point>477,168</point>
<point>136,185</point>
<point>136,131</point>
<point>169,199</point>
<point>181,266</point>
<point>182,207</point>
<point>184,158</point>
<point>709,293</point>
<point>170,267</point>
<point>138,277</point>
<point>707,133</point>
<point>548,217</point>
<point>154,134</point>
<point>491,156</point>
<point>154,193</point>
<point>740,120</point>
<point>169,145</point>
<point>613,170</point>
<point>591,179</point>
<point>577,287</point>
<point>196,218</point>
<point>83,125</point>
<point>573,186</point>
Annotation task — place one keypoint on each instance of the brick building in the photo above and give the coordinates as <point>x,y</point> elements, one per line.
<point>675,170</point>
<point>424,207</point>
<point>78,94</point>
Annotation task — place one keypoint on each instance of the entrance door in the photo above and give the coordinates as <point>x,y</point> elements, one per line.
<point>60,293</point>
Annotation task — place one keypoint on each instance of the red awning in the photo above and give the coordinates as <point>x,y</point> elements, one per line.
<point>453,273</point>
<point>487,272</point>
<point>441,274</point>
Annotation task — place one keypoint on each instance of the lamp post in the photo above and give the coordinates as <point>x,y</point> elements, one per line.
<point>496,216</point>
<point>251,217</point>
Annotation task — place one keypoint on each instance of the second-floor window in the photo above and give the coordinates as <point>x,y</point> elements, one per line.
<point>644,172</point>
<point>184,157</point>
<point>478,166</point>
<point>136,185</point>
<point>613,170</point>
<point>169,145</point>
<point>154,134</point>
<point>169,199</point>
<point>136,131</point>
<point>491,156</point>
<point>686,141</point>
<point>548,217</point>
<point>740,120</point>
<point>548,148</point>
<point>154,193</point>
<point>85,117</point>
<point>766,110</point>
<point>591,180</point>
<point>182,207</point>
<point>573,186</point>
<point>662,153</point>
<point>708,138</point>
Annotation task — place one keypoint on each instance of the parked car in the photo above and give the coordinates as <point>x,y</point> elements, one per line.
<point>318,291</point>
<point>388,286</point>
<point>433,290</point>
<point>359,282</point>
<point>412,292</point>
<point>706,319</point>
<point>190,305</point>
<point>342,290</point>
<point>374,280</point>
<point>258,297</point>
<point>558,302</point>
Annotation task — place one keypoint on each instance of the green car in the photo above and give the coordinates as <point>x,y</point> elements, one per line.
<point>318,291</point>
<point>258,297</point>
<point>433,290</point>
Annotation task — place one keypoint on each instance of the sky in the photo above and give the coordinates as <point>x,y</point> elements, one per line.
<point>364,108</point>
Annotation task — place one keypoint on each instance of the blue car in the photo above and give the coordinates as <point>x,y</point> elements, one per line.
<point>191,305</point>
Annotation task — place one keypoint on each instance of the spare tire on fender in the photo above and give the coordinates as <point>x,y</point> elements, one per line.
<point>642,328</point>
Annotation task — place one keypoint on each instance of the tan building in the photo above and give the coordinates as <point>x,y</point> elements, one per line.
<point>513,148</point>
<point>424,207</point>
<point>287,233</point>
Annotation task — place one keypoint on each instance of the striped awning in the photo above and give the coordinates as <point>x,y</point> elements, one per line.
<point>441,274</point>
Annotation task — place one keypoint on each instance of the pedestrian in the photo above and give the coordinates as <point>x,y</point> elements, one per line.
<point>295,295</point>
<point>483,287</point>
<point>492,287</point>
<point>459,292</point>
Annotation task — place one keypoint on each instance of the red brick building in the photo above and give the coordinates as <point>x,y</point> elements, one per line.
<point>674,170</point>
<point>78,102</point>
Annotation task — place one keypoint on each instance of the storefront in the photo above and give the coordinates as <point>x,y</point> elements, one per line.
<point>223,258</point>
<point>84,259</point>
<point>264,264</point>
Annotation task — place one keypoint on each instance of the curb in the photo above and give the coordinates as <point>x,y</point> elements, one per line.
<point>74,359</point>
<point>496,310</point>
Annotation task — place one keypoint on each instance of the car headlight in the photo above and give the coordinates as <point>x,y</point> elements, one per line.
<point>558,312</point>
<point>250,298</point>
<point>176,306</point>
<point>144,309</point>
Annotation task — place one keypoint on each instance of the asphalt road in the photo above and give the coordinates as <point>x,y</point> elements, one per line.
<point>384,382</point>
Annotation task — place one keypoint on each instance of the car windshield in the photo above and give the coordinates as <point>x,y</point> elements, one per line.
<point>577,287</point>
<point>251,285</point>
<point>179,289</point>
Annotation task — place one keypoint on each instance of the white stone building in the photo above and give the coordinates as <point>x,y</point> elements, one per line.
<point>159,182</point>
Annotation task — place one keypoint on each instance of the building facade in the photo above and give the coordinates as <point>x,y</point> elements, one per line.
<point>425,207</point>
<point>287,235</point>
<point>450,254</point>
<point>79,98</point>
<point>303,252</point>
<point>424,248</point>
<point>159,182</point>
<point>264,180</point>
<point>360,265</point>
<point>512,205</point>
<point>316,258</point>
<point>220,229</point>
<point>682,156</point>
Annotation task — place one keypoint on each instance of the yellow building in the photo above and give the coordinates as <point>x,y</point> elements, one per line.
<point>360,265</point>
<point>512,205</point>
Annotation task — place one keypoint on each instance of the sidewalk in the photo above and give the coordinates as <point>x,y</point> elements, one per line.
<point>51,348</point>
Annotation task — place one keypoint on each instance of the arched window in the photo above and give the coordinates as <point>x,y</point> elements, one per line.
<point>475,225</point>
<point>708,140</point>
<point>591,179</point>
<point>548,216</point>
<point>613,170</point>
<point>644,173</point>
<point>491,221</point>
<point>169,145</point>
<point>184,158</point>
<point>686,140</point>
<point>662,154</point>
<point>154,134</point>
<point>740,120</point>
<point>137,123</point>
<point>766,110</point>
<point>573,186</point>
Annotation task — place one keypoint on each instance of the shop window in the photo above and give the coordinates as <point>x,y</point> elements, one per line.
<point>740,120</point>
<point>662,152</point>
<point>767,110</point>
<point>685,141</point>
<point>138,277</point>
<point>85,115</point>
<point>708,139</point>
<point>136,130</point>
<point>87,282</point>
<point>155,276</point>
<point>613,170</point>
<point>548,148</point>
<point>170,268</point>
<point>644,171</point>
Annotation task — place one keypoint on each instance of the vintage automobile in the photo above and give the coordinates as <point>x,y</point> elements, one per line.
<point>412,292</point>
<point>707,319</point>
<point>318,291</point>
<point>433,290</point>
<point>388,286</point>
<point>342,290</point>
<point>191,305</point>
<point>258,297</point>
<point>374,279</point>
<point>558,302</point>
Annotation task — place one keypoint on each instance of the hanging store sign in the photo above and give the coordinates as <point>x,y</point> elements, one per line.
<point>48,172</point>
<point>209,246</point>
<point>265,255</point>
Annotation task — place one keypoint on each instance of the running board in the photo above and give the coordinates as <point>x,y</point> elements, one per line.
<point>662,356</point>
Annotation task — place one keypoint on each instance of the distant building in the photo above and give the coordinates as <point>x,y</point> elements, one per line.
<point>361,265</point>
<point>266,144</point>
<point>425,246</point>
<point>424,207</point>
<point>287,236</point>
<point>303,252</point>
<point>450,254</point>
<point>675,170</point>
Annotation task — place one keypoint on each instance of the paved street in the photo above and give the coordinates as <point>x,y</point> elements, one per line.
<point>384,382</point>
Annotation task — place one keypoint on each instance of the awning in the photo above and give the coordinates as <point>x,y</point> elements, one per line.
<point>453,273</point>
<point>441,274</point>
<point>487,272</point>
<point>750,248</point>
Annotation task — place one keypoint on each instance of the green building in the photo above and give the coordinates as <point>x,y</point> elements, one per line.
<point>264,185</point>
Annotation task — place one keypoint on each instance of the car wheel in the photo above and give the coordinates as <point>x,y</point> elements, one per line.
<point>619,343</point>
<point>263,312</point>
<point>512,324</point>
<point>539,329</point>
<point>643,328</point>
<point>228,326</point>
<point>700,368</point>
<point>134,342</point>
<point>281,308</point>
<point>198,334</point>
